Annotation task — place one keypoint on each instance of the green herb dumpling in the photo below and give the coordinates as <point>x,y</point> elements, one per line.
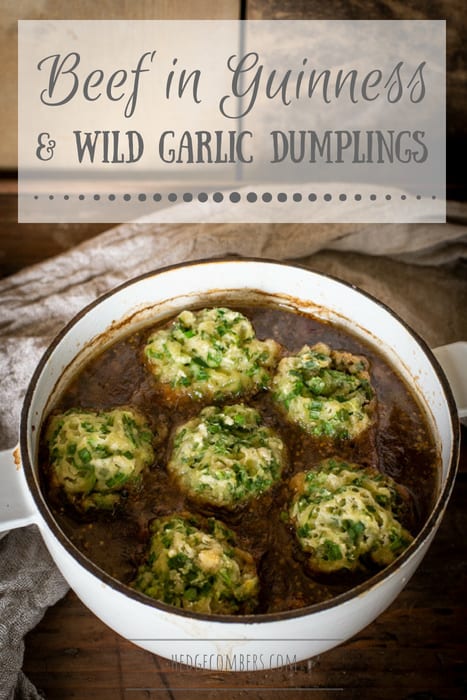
<point>196,565</point>
<point>326,392</point>
<point>95,455</point>
<point>210,354</point>
<point>347,517</point>
<point>226,456</point>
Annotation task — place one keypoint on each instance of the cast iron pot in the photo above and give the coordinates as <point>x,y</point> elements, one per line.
<point>199,638</point>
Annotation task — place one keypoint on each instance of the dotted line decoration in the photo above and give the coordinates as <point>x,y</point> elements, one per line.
<point>233,197</point>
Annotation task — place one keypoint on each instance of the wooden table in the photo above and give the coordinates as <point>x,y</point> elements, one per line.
<point>416,650</point>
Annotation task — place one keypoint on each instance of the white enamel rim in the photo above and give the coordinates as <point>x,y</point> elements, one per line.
<point>423,536</point>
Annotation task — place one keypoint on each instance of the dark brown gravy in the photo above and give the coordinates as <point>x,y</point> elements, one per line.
<point>401,445</point>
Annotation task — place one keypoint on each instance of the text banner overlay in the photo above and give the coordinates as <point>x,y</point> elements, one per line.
<point>226,121</point>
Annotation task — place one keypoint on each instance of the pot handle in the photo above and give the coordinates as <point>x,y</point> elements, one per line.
<point>16,504</point>
<point>453,360</point>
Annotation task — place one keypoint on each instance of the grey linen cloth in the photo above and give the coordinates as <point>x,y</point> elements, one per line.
<point>419,270</point>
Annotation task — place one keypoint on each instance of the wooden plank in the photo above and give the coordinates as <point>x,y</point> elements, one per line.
<point>26,244</point>
<point>453,11</point>
<point>13,10</point>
